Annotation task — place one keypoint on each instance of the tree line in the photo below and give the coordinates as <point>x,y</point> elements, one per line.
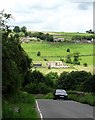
<point>42,36</point>
<point>37,83</point>
<point>15,61</point>
<point>83,37</point>
<point>22,32</point>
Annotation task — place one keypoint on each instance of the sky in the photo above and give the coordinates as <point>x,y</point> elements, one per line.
<point>50,15</point>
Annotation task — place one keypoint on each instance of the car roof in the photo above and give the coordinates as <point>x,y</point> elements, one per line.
<point>60,90</point>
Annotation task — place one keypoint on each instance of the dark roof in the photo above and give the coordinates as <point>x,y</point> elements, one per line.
<point>37,65</point>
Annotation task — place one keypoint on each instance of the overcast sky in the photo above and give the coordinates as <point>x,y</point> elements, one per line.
<point>51,15</point>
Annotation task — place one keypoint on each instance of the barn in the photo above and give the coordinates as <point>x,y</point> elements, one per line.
<point>56,64</point>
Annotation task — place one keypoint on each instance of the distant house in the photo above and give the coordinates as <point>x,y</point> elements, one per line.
<point>25,39</point>
<point>58,39</point>
<point>87,41</point>
<point>34,38</point>
<point>84,41</point>
<point>56,64</point>
<point>37,65</point>
<point>92,40</point>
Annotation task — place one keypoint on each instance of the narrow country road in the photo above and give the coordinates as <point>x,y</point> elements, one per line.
<point>63,109</point>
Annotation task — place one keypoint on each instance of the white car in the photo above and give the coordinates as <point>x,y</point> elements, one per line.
<point>60,94</point>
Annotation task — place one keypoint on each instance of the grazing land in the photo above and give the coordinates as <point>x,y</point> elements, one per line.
<point>68,35</point>
<point>53,51</point>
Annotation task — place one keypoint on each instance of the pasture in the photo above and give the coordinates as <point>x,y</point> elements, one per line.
<point>68,35</point>
<point>57,50</point>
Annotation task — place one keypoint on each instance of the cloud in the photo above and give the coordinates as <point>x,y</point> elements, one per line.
<point>50,15</point>
<point>84,6</point>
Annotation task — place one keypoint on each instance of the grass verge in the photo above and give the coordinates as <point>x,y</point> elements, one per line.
<point>86,98</point>
<point>44,96</point>
<point>20,106</point>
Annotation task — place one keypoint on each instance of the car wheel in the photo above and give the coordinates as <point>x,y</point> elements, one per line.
<point>66,98</point>
<point>54,98</point>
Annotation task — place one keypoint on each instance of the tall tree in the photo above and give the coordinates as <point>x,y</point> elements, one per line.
<point>15,61</point>
<point>16,29</point>
<point>68,58</point>
<point>68,50</point>
<point>24,30</point>
<point>76,58</point>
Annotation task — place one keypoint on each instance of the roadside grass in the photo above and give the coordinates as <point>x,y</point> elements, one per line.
<point>44,96</point>
<point>20,106</point>
<point>87,98</point>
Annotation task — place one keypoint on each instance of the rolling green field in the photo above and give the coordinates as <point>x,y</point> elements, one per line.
<point>55,51</point>
<point>68,35</point>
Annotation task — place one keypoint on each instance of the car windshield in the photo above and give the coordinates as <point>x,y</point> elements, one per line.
<point>60,92</point>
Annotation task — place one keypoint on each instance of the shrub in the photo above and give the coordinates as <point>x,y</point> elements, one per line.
<point>40,88</point>
<point>37,77</point>
<point>31,88</point>
<point>85,64</point>
<point>61,59</point>
<point>49,67</point>
<point>76,80</point>
<point>68,50</point>
<point>68,59</point>
<point>45,59</point>
<point>38,53</point>
<point>76,62</point>
<point>48,96</point>
<point>43,88</point>
<point>87,98</point>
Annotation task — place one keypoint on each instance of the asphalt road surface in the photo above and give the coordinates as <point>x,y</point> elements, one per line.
<point>63,109</point>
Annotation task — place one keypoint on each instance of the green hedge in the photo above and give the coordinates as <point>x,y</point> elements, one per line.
<point>87,98</point>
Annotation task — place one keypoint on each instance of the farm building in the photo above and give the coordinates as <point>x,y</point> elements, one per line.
<point>37,65</point>
<point>58,39</point>
<point>25,39</point>
<point>34,38</point>
<point>56,64</point>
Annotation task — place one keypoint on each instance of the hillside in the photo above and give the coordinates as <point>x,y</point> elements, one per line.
<point>57,51</point>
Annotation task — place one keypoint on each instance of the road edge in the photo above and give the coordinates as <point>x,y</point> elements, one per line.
<point>41,116</point>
